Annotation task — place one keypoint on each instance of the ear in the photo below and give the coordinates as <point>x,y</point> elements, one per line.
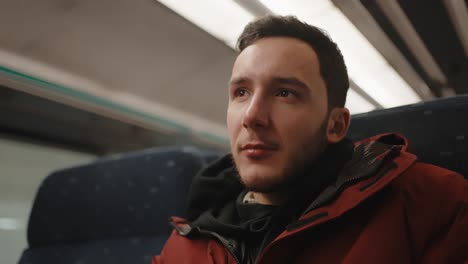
<point>338,124</point>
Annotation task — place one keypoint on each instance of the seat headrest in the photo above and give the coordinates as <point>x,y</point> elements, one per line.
<point>437,130</point>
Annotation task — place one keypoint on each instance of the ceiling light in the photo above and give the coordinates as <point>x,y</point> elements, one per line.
<point>405,29</point>
<point>368,26</point>
<point>357,104</point>
<point>459,16</point>
<point>223,19</point>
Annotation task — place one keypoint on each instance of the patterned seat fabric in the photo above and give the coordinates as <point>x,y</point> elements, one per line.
<point>114,210</point>
<point>437,130</point>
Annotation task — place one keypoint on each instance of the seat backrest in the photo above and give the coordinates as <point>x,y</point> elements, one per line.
<point>437,130</point>
<point>114,210</point>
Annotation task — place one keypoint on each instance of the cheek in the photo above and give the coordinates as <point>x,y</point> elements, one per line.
<point>233,121</point>
<point>297,128</point>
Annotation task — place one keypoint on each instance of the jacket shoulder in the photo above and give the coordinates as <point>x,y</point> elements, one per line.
<point>426,182</point>
<point>431,178</point>
<point>432,194</point>
<point>434,204</point>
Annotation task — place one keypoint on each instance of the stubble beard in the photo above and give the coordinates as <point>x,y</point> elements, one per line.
<point>295,169</point>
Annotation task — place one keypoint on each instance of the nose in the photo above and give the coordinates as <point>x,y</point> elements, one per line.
<point>256,113</point>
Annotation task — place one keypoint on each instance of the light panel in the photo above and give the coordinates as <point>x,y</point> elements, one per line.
<point>366,67</point>
<point>223,19</point>
<point>357,104</point>
<point>410,36</point>
<point>459,16</point>
<point>10,223</point>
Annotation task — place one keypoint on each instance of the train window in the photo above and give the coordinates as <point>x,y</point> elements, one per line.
<point>23,165</point>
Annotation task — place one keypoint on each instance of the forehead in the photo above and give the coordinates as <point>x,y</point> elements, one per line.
<point>278,56</point>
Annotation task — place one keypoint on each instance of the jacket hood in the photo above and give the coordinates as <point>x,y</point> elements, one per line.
<point>213,187</point>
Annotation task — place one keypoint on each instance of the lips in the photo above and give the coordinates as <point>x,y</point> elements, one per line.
<point>258,150</point>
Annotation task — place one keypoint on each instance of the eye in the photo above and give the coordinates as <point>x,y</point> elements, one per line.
<point>240,92</point>
<point>284,93</point>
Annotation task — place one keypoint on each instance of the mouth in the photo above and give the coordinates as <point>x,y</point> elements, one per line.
<point>258,150</point>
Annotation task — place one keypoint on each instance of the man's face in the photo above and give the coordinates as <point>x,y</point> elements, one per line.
<point>277,114</point>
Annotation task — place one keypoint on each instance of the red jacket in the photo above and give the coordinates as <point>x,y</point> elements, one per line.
<point>407,213</point>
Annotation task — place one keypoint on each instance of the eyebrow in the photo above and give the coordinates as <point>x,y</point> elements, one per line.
<point>291,81</point>
<point>238,80</point>
<point>278,80</point>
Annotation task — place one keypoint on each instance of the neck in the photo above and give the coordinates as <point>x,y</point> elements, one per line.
<point>270,198</point>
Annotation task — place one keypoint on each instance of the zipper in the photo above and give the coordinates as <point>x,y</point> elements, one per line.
<point>382,172</point>
<point>393,152</point>
<point>322,199</point>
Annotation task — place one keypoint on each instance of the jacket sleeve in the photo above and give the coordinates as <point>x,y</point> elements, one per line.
<point>448,242</point>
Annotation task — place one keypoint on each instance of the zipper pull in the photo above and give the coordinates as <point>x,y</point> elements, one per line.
<point>183,229</point>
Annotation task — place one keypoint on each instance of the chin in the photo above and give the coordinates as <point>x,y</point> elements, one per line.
<point>258,179</point>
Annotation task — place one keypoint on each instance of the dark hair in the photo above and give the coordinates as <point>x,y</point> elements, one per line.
<point>332,67</point>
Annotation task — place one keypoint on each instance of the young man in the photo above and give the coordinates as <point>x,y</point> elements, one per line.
<point>294,189</point>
